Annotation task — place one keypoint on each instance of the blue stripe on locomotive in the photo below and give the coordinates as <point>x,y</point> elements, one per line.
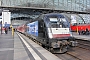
<point>32,28</point>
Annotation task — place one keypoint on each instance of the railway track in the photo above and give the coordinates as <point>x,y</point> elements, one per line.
<point>75,54</point>
<point>81,52</point>
<point>84,44</point>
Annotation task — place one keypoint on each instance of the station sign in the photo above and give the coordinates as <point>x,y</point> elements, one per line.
<point>6,18</point>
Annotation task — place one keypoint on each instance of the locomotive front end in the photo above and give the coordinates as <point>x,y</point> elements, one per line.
<point>59,34</point>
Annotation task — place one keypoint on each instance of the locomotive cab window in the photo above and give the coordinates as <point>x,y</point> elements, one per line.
<point>58,22</point>
<point>63,22</point>
<point>53,22</point>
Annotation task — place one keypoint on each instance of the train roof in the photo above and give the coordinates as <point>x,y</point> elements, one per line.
<point>43,15</point>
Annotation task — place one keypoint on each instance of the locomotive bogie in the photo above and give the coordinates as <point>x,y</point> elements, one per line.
<point>59,43</point>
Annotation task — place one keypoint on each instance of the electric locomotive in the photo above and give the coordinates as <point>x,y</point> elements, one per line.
<point>52,31</point>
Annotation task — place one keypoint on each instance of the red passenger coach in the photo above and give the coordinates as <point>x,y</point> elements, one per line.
<point>80,23</point>
<point>81,28</point>
<point>21,28</point>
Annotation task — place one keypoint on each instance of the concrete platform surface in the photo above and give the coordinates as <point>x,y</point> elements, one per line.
<point>84,37</point>
<point>22,48</point>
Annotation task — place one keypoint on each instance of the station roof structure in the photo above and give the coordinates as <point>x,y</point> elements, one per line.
<point>25,8</point>
<point>61,5</point>
<point>36,10</point>
<point>69,5</point>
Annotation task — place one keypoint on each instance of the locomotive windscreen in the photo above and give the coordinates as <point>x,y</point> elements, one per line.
<point>58,22</point>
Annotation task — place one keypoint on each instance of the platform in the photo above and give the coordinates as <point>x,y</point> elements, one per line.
<point>83,37</point>
<point>22,48</point>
